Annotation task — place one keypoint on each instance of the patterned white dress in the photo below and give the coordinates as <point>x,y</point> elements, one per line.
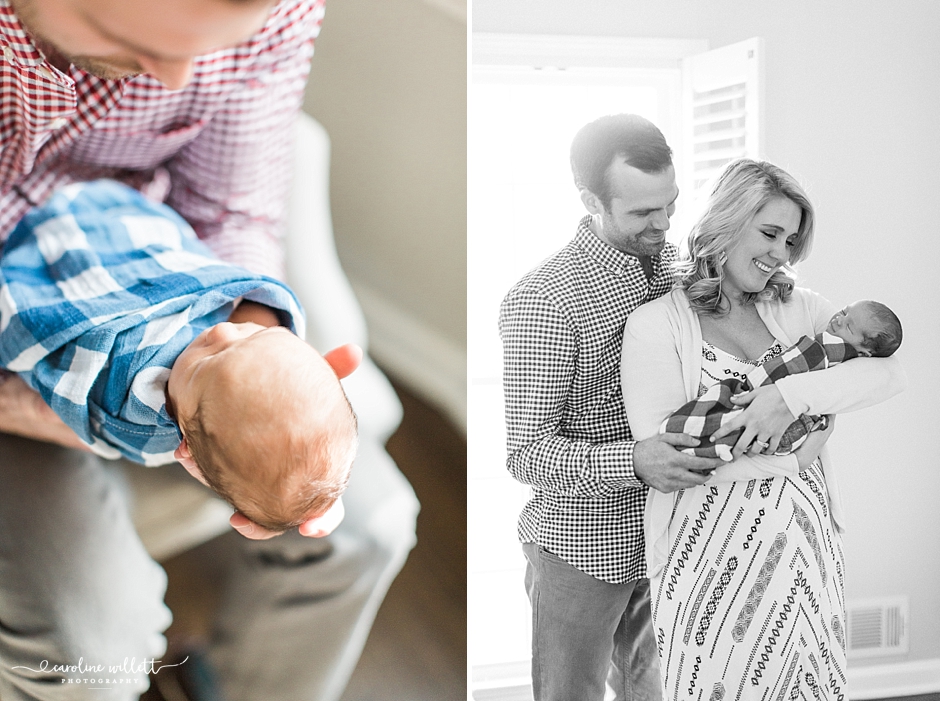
<point>750,603</point>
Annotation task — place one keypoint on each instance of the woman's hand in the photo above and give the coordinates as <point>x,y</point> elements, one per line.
<point>813,445</point>
<point>764,421</point>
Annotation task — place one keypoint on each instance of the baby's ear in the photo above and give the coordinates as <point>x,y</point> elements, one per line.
<point>186,460</point>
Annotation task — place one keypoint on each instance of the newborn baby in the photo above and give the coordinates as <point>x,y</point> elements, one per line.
<point>869,327</point>
<point>864,328</point>
<point>119,317</point>
<point>264,422</point>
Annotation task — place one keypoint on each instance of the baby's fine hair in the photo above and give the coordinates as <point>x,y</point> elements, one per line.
<point>888,338</point>
<point>306,477</point>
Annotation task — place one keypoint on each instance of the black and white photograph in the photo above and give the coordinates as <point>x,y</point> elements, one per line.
<point>700,386</point>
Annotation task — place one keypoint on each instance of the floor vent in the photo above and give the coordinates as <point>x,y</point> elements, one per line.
<point>878,627</point>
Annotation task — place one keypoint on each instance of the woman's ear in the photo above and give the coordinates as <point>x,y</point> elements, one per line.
<point>185,458</point>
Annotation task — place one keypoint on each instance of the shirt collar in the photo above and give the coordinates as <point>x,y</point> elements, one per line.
<point>610,258</point>
<point>17,45</point>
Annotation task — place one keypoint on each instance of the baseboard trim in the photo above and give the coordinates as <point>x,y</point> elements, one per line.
<point>897,679</point>
<point>433,366</point>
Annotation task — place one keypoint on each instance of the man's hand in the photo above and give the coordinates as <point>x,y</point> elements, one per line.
<point>314,528</point>
<point>764,420</point>
<point>658,462</point>
<point>344,360</point>
<point>24,413</point>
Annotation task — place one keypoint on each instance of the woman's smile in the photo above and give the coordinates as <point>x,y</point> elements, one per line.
<point>763,246</point>
<point>763,267</point>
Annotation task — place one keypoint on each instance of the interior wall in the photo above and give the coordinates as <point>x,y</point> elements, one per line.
<point>852,110</point>
<point>388,82</point>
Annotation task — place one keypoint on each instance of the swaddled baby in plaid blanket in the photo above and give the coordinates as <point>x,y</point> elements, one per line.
<point>864,328</point>
<point>115,312</point>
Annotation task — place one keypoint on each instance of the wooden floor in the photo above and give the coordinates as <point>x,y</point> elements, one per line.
<point>418,645</point>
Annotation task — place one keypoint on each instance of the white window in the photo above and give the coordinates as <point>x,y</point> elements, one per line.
<point>528,97</point>
<point>722,108</point>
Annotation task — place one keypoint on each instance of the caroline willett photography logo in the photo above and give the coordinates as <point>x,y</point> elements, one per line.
<point>99,676</point>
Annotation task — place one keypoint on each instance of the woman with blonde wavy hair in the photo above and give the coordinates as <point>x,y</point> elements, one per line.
<point>747,570</point>
<point>739,192</point>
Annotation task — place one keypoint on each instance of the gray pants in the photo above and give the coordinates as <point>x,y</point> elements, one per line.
<point>587,634</point>
<point>78,588</point>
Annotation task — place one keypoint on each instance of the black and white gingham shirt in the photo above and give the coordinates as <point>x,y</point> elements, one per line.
<point>562,331</point>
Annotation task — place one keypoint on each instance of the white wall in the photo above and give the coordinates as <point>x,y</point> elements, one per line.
<point>852,110</point>
<point>389,84</point>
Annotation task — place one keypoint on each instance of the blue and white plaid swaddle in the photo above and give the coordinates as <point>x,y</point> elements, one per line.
<point>100,291</point>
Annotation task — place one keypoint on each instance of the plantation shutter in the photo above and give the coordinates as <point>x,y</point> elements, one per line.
<point>722,110</point>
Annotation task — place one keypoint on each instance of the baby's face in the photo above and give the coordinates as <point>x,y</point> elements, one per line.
<point>853,324</point>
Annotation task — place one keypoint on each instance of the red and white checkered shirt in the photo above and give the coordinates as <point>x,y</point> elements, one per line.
<point>218,151</point>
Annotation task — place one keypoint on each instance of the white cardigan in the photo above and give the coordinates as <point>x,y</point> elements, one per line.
<point>661,367</point>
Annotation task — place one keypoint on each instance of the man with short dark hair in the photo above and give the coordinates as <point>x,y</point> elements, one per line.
<point>568,437</point>
<point>194,103</point>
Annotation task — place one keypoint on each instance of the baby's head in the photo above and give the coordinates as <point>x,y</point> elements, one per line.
<point>872,328</point>
<point>265,421</point>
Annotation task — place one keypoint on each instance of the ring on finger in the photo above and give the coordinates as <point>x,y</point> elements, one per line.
<point>763,446</point>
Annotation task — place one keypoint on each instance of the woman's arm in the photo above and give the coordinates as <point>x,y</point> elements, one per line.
<point>650,370</point>
<point>854,384</point>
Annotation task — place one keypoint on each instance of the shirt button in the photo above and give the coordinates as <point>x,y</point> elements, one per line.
<point>46,73</point>
<point>8,55</point>
<point>58,123</point>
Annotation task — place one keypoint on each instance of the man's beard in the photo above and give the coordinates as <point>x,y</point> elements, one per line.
<point>100,67</point>
<point>103,69</point>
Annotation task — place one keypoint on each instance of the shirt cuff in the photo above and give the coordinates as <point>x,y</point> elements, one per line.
<point>613,463</point>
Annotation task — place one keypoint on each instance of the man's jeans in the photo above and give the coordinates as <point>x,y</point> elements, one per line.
<point>586,631</point>
<point>77,586</point>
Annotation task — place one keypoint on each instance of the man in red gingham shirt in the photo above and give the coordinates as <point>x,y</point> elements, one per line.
<point>218,151</point>
<point>192,102</point>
